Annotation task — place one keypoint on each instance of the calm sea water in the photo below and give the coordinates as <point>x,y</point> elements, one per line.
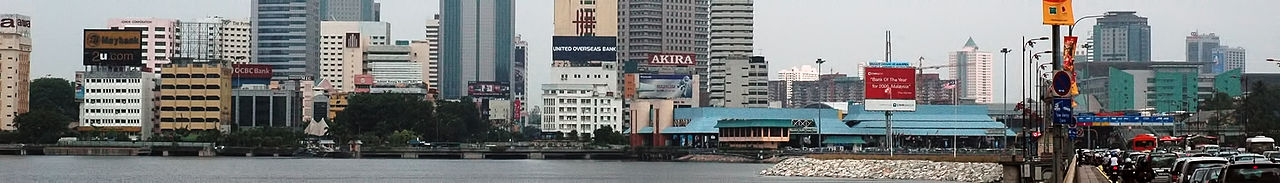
<point>262,169</point>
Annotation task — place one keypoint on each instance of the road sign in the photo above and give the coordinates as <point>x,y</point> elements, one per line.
<point>1062,111</point>
<point>1061,84</point>
<point>1072,133</point>
<point>1057,12</point>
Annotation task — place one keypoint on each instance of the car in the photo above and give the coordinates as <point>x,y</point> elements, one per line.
<point>1187,166</point>
<point>1202,175</point>
<point>1163,163</point>
<point>1250,173</point>
<point>1249,157</point>
<point>1273,155</point>
<point>1212,174</point>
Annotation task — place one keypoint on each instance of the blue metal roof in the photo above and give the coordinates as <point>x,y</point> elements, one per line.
<point>927,120</point>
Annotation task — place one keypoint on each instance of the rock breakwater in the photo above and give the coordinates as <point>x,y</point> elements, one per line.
<point>887,169</point>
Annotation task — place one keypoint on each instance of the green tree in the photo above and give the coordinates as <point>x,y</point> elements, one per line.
<point>530,132</point>
<point>1219,101</point>
<point>401,138</point>
<point>464,116</point>
<point>41,126</point>
<point>1259,110</point>
<point>606,136</point>
<point>381,114</point>
<point>573,135</point>
<point>54,94</point>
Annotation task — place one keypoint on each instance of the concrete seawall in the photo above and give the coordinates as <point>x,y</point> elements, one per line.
<point>92,151</point>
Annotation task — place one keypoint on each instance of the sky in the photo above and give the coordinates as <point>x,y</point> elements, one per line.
<point>787,32</point>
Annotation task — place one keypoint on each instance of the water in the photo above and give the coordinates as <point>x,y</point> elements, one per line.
<point>260,169</point>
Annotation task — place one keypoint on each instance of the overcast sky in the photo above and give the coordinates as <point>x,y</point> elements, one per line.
<point>788,32</point>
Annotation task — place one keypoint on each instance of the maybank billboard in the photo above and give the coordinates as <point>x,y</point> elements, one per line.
<point>584,48</point>
<point>664,86</point>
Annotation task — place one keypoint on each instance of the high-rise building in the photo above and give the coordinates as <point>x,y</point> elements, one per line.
<point>833,87</point>
<point>476,42</point>
<point>1231,58</point>
<point>215,38</point>
<point>433,62</point>
<point>195,96</point>
<point>15,63</point>
<point>161,43</point>
<point>583,94</point>
<point>350,10</point>
<point>392,65</point>
<point>257,105</point>
<point>648,28</point>
<point>973,70</point>
<point>1200,46</point>
<point>790,76</point>
<point>287,37</point>
<point>338,36</point>
<point>737,78</point>
<point>1122,36</point>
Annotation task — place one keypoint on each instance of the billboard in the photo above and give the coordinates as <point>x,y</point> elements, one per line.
<point>1219,61</point>
<point>664,86</point>
<point>113,47</point>
<point>890,88</point>
<point>488,89</point>
<point>676,59</point>
<point>251,71</point>
<point>584,48</point>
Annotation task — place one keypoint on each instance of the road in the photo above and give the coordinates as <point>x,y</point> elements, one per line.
<point>1090,174</point>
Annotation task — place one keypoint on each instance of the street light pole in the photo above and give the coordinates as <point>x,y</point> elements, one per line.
<point>1005,101</point>
<point>816,120</point>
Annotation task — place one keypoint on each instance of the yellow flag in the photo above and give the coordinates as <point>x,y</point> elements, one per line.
<point>1057,12</point>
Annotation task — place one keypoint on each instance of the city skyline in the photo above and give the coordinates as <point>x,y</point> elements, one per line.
<point>778,35</point>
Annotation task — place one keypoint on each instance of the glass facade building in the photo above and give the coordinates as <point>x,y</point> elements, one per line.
<point>287,37</point>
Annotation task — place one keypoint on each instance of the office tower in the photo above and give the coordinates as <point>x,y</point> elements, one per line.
<point>15,64</point>
<point>1122,36</point>
<point>287,37</point>
<point>973,70</point>
<point>582,94</point>
<point>665,29</point>
<point>160,43</point>
<point>215,38</point>
<point>350,10</point>
<point>737,78</point>
<point>477,44</point>
<point>338,36</point>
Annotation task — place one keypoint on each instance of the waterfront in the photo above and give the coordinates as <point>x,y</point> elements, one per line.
<point>267,169</point>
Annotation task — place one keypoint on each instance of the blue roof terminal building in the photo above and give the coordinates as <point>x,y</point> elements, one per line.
<point>937,126</point>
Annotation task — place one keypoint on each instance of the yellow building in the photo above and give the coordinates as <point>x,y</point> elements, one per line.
<point>337,102</point>
<point>195,96</point>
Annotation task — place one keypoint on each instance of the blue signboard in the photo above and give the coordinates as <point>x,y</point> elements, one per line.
<point>1219,62</point>
<point>584,48</point>
<point>1062,111</point>
<point>1072,133</point>
<point>889,64</point>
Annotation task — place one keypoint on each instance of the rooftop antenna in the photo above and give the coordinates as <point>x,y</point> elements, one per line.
<point>888,45</point>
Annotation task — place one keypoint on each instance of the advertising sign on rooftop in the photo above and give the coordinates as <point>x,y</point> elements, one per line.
<point>250,71</point>
<point>664,86</point>
<point>675,59</point>
<point>584,48</point>
<point>488,89</point>
<point>113,47</point>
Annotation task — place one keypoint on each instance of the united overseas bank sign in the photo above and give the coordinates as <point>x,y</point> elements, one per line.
<point>584,48</point>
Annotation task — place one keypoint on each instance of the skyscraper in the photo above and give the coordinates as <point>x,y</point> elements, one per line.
<point>737,78</point>
<point>1122,36</point>
<point>973,69</point>
<point>1200,46</point>
<point>287,37</point>
<point>350,10</point>
<point>1209,48</point>
<point>648,28</point>
<point>476,42</point>
<point>583,88</point>
<point>162,39</point>
<point>15,59</point>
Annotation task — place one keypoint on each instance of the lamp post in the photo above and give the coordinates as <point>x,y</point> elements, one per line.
<point>816,120</point>
<point>1026,43</point>
<point>1005,99</point>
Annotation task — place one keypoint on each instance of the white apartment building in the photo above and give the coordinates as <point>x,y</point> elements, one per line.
<point>116,98</point>
<point>582,99</point>
<point>159,39</point>
<point>973,68</point>
<point>801,73</point>
<point>333,41</point>
<point>392,65</point>
<point>433,64</point>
